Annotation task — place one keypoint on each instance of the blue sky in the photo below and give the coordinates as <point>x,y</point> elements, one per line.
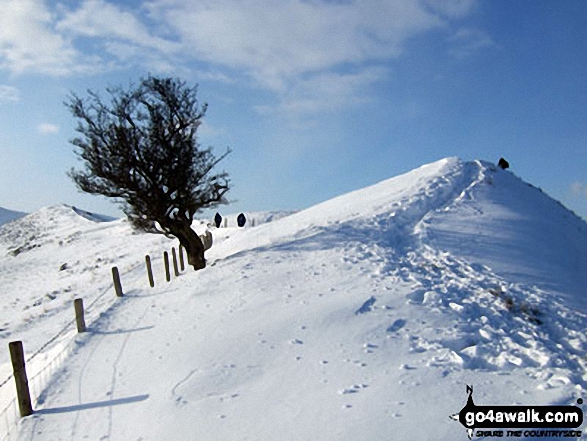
<point>315,97</point>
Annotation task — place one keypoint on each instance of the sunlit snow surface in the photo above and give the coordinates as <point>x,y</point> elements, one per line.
<point>362,318</point>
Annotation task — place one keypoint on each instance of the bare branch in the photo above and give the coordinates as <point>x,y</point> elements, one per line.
<point>141,148</point>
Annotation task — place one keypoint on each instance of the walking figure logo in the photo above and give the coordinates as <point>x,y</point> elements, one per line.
<point>468,407</point>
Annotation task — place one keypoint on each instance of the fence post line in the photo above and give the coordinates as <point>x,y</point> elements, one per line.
<point>116,279</point>
<point>174,258</point>
<point>166,260</point>
<point>181,264</point>
<point>149,270</point>
<point>78,305</point>
<point>22,385</point>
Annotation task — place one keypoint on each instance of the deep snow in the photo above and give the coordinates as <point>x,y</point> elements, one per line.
<point>362,318</point>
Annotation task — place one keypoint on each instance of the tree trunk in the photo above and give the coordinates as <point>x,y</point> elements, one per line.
<point>191,242</point>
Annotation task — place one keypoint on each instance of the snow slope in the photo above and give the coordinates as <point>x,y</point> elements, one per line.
<point>362,318</point>
<point>517,231</point>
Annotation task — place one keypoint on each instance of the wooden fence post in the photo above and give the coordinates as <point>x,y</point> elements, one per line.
<point>181,264</point>
<point>166,260</point>
<point>150,271</point>
<point>78,305</point>
<point>22,385</point>
<point>116,279</point>
<point>174,256</point>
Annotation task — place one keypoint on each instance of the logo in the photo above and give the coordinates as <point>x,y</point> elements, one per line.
<point>492,420</point>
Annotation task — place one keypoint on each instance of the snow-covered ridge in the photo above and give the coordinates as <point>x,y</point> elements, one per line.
<point>355,319</point>
<point>517,230</point>
<point>473,210</point>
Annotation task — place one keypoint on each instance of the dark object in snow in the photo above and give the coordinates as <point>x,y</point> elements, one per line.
<point>241,220</point>
<point>366,307</point>
<point>63,267</point>
<point>217,220</point>
<point>503,163</point>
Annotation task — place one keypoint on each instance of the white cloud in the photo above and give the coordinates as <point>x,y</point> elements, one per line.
<point>277,41</point>
<point>327,92</point>
<point>37,37</point>
<point>452,8</point>
<point>207,131</point>
<point>47,128</point>
<point>294,48</point>
<point>103,20</point>
<point>466,42</point>
<point>28,41</point>
<point>9,94</point>
<point>579,189</point>
<point>270,41</point>
<point>297,48</point>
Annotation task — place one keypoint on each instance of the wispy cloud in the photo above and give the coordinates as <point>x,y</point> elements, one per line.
<point>29,42</point>
<point>311,53</point>
<point>43,37</point>
<point>47,128</point>
<point>269,40</point>
<point>451,8</point>
<point>467,42</point>
<point>326,92</point>
<point>9,94</point>
<point>579,189</point>
<point>277,41</point>
<point>315,55</point>
<point>121,30</point>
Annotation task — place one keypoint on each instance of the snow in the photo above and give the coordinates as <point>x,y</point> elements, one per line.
<point>361,318</point>
<point>517,231</point>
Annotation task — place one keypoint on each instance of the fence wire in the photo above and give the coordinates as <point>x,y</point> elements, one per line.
<point>10,415</point>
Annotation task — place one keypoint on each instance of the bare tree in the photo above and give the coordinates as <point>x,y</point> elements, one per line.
<point>141,149</point>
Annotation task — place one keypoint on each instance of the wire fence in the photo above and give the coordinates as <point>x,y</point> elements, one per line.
<point>8,418</point>
<point>54,357</point>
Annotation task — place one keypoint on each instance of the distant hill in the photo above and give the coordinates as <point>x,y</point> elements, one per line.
<point>9,215</point>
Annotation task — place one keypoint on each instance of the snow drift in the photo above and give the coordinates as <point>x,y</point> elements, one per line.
<point>361,318</point>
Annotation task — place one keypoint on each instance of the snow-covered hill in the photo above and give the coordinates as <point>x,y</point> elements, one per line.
<point>361,318</point>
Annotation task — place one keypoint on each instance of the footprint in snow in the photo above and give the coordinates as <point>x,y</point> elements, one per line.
<point>353,390</point>
<point>416,297</point>
<point>180,401</point>
<point>397,325</point>
<point>366,307</point>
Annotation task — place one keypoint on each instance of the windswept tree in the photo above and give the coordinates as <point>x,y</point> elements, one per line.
<point>140,147</point>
